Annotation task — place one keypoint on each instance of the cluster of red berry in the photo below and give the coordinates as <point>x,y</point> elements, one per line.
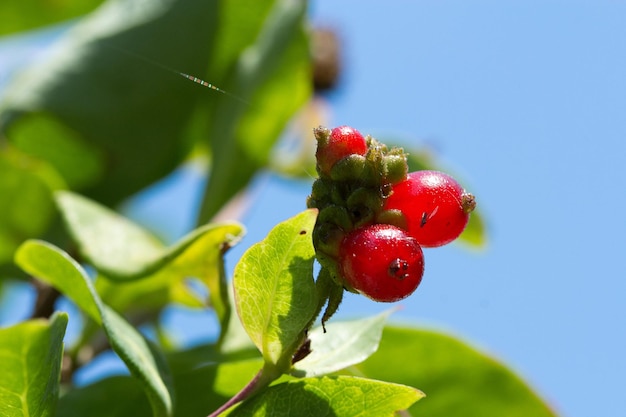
<point>375,217</point>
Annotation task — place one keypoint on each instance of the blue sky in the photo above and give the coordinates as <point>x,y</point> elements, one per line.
<point>526,101</point>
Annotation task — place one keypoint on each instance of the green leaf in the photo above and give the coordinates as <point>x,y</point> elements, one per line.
<point>116,246</point>
<point>339,396</point>
<point>274,288</point>
<point>31,353</point>
<point>233,336</point>
<point>95,400</point>
<point>19,15</point>
<point>457,379</point>
<point>123,251</point>
<point>138,109</point>
<point>26,206</point>
<point>272,79</point>
<point>201,389</point>
<point>78,162</point>
<point>344,344</point>
<point>55,267</point>
<point>475,233</point>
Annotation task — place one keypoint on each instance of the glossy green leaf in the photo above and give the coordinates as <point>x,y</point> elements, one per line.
<point>108,80</point>
<point>457,379</point>
<point>274,288</point>
<point>272,79</point>
<point>26,206</point>
<point>233,336</point>
<point>20,15</point>
<point>341,396</point>
<point>31,353</point>
<point>344,344</point>
<point>56,268</point>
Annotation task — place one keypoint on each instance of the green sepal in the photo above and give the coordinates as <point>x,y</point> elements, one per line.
<point>393,217</point>
<point>327,237</point>
<point>395,168</point>
<point>335,215</point>
<point>320,194</point>
<point>363,204</point>
<point>335,296</point>
<point>350,168</point>
<point>322,134</point>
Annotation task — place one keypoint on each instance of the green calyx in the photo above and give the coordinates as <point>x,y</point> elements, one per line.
<point>351,195</point>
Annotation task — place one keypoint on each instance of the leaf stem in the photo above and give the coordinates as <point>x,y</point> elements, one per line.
<point>261,380</point>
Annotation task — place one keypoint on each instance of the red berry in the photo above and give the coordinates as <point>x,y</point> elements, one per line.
<point>435,206</point>
<point>382,262</point>
<point>342,141</point>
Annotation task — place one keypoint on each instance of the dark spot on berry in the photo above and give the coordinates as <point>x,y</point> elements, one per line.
<point>397,268</point>
<point>424,219</point>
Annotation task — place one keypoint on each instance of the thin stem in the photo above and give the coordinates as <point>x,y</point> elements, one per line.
<point>47,295</point>
<point>262,379</point>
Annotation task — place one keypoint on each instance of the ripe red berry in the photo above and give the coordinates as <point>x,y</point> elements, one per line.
<point>342,141</point>
<point>435,206</point>
<point>381,262</point>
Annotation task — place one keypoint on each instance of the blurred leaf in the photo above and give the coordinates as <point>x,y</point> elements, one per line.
<point>117,396</point>
<point>340,396</point>
<point>115,245</point>
<point>108,81</point>
<point>274,287</point>
<point>78,162</point>
<point>240,22</point>
<point>203,388</point>
<point>272,80</point>
<point>56,268</point>
<point>199,388</point>
<point>421,160</point>
<point>19,15</point>
<point>31,353</point>
<point>457,380</point>
<point>26,206</point>
<point>343,344</point>
<point>145,273</point>
<point>475,234</point>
